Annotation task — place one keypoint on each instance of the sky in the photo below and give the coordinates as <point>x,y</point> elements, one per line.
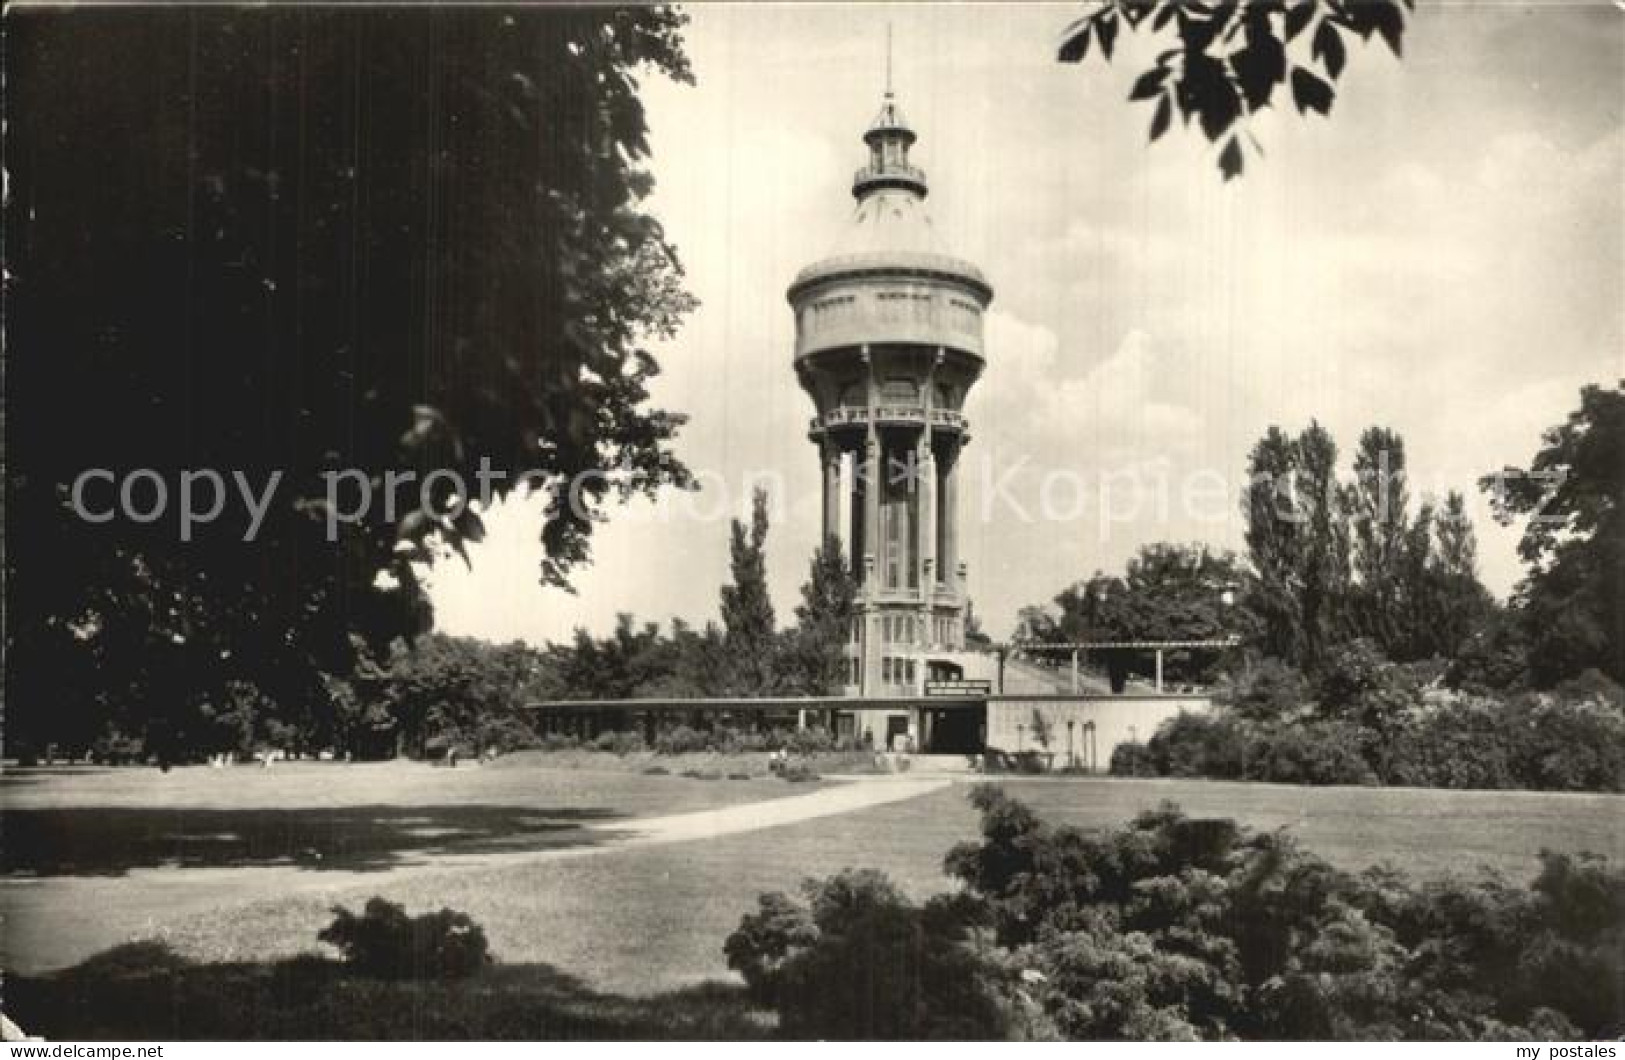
<point>1444,255</point>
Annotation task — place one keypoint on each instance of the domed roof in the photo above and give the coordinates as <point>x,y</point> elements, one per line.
<point>890,229</point>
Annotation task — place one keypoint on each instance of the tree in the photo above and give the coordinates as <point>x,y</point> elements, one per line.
<point>342,243</point>
<point>1168,592</point>
<point>446,691</point>
<point>815,658</point>
<point>1226,59</point>
<point>1297,543</point>
<point>1334,561</point>
<point>1572,599</point>
<point>1454,604</point>
<point>1378,507</point>
<point>1414,582</point>
<point>747,612</point>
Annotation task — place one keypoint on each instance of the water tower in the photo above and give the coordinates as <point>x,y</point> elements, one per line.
<point>888,344</point>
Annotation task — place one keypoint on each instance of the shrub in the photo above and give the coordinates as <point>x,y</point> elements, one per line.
<point>116,749</point>
<point>621,743</point>
<point>1592,686</point>
<point>384,943</point>
<point>811,740</point>
<point>1359,686</point>
<point>1322,752</point>
<point>1200,745</point>
<point>1568,746</point>
<point>1270,691</point>
<point>1023,762</point>
<point>1132,759</point>
<point>1179,928</point>
<point>1494,658</point>
<point>798,773</point>
<point>680,739</point>
<point>558,741</point>
<point>860,961</point>
<point>731,740</point>
<point>504,733</point>
<point>763,941</point>
<point>1466,743</point>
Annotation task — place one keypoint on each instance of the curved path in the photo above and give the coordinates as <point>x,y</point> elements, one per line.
<point>47,927</point>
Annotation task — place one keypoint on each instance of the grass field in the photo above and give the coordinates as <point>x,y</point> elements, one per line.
<point>143,848</point>
<point>644,920</point>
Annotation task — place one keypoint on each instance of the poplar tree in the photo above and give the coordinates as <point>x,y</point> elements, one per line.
<point>747,610</point>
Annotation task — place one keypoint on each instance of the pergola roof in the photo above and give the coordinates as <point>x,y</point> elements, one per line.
<point>1144,645</point>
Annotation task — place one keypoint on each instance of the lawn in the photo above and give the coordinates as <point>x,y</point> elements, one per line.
<point>144,848</point>
<point>644,920</point>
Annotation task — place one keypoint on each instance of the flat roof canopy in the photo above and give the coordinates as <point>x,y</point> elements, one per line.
<point>1142,645</point>
<point>782,704</point>
<point>787,704</point>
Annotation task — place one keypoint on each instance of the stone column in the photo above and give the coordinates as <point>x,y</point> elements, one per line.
<point>832,491</point>
<point>925,479</point>
<point>927,484</point>
<point>872,472</point>
<point>873,641</point>
<point>950,516</point>
<point>873,469</point>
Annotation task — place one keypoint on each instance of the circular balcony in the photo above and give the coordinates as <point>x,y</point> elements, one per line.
<point>858,416</point>
<point>891,175</point>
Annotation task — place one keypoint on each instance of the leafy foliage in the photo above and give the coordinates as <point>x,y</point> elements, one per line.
<point>1174,928</point>
<point>1168,592</point>
<point>1570,495</point>
<point>454,691</point>
<point>1178,928</point>
<point>1334,561</point>
<point>385,943</point>
<point>291,180</point>
<point>1226,60</point>
<point>1269,690</point>
<point>859,961</point>
<point>749,637</point>
<point>1297,545</point>
<point>815,650</point>
<point>1372,722</point>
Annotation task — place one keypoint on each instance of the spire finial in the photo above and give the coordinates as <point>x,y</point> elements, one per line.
<point>888,60</point>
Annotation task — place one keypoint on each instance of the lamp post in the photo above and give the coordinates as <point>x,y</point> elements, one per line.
<point>1227,598</point>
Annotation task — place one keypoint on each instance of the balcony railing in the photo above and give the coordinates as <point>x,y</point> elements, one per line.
<point>869,174</point>
<point>858,414</point>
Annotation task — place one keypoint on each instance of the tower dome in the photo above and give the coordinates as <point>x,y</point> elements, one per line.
<point>890,229</point>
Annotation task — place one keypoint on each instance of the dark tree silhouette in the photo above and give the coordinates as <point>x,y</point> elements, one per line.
<point>747,610</point>
<point>294,240</point>
<point>1297,543</point>
<point>816,648</point>
<point>1227,60</point>
<point>1572,494</point>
